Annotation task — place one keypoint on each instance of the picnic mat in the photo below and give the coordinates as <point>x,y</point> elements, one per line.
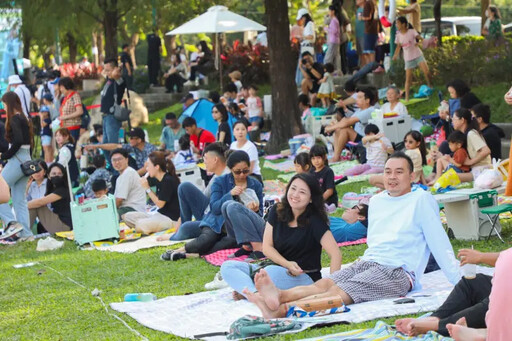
<point>178,314</point>
<point>274,187</point>
<point>381,332</point>
<point>285,166</point>
<point>139,244</point>
<point>219,257</point>
<point>414,100</point>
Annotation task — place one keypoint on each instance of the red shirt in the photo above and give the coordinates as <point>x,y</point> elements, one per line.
<point>460,156</point>
<point>204,137</point>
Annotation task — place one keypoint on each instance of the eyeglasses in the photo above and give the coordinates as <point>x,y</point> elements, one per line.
<point>119,159</point>
<point>240,171</point>
<point>357,208</point>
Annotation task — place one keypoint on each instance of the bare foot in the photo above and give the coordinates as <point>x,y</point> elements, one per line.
<point>238,296</point>
<point>461,333</point>
<point>335,159</point>
<point>423,326</point>
<point>462,322</point>
<point>257,299</point>
<point>402,325</point>
<point>267,289</point>
<point>163,237</point>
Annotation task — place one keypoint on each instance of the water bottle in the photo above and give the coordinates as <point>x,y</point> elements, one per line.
<point>139,297</point>
<point>330,150</point>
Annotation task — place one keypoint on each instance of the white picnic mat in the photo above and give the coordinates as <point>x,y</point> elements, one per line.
<point>214,311</point>
<point>139,244</point>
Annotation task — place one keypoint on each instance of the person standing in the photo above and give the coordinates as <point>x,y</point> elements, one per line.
<point>508,190</point>
<point>16,84</point>
<point>154,52</point>
<point>413,12</point>
<point>71,109</point>
<point>371,31</point>
<point>332,55</point>
<point>360,31</point>
<point>127,65</point>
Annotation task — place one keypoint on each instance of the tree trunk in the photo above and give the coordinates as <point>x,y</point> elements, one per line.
<point>73,47</point>
<point>437,18</point>
<point>101,51</point>
<point>285,112</point>
<point>170,46</point>
<point>26,45</point>
<point>110,22</point>
<point>484,4</point>
<point>94,49</point>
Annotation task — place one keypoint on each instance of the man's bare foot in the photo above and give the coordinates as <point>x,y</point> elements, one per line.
<point>462,333</point>
<point>257,299</point>
<point>423,326</point>
<point>238,296</point>
<point>267,289</point>
<point>402,325</point>
<point>462,322</point>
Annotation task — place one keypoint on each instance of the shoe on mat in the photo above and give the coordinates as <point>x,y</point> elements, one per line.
<point>217,283</point>
<point>13,228</point>
<point>172,255</point>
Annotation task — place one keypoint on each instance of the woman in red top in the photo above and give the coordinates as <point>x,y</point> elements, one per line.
<point>71,109</point>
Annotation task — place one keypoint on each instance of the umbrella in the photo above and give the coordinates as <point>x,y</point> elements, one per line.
<point>218,19</point>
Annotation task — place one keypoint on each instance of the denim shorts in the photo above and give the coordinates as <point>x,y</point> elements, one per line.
<point>258,119</point>
<point>46,140</point>
<point>455,168</point>
<point>413,64</point>
<point>370,40</point>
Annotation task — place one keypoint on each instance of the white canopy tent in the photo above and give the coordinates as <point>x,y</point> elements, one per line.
<point>217,20</point>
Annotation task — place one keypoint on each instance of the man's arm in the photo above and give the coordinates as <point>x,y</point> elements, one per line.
<point>469,256</point>
<point>104,146</point>
<point>119,202</point>
<point>344,123</point>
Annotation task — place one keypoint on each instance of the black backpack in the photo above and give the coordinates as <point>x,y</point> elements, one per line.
<point>86,118</point>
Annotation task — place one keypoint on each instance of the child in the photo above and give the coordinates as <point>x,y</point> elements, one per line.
<point>46,134</point>
<point>326,91</point>
<point>304,106</point>
<point>377,149</point>
<point>302,163</point>
<point>324,175</point>
<point>456,142</point>
<point>236,78</point>
<point>254,107</point>
<point>100,173</point>
<point>100,188</point>
<point>234,110</point>
<point>416,150</point>
<point>185,156</point>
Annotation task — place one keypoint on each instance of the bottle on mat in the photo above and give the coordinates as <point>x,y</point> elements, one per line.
<point>136,297</point>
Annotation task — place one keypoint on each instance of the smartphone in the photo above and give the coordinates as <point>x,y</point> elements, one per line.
<point>404,300</point>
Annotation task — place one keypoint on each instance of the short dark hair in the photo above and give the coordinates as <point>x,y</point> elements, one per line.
<point>236,157</point>
<point>214,96</point>
<point>306,53</point>
<point>303,160</point>
<point>231,87</point>
<point>252,86</point>
<point>125,46</point>
<point>217,148</point>
<point>329,67</point>
<point>457,137</point>
<point>223,112</point>
<point>189,122</point>
<point>99,185</point>
<point>98,161</point>
<point>121,151</point>
<point>233,106</point>
<point>460,87</point>
<point>184,142</point>
<point>350,85</point>
<point>402,155</point>
<point>483,111</point>
<point>170,116</point>
<point>319,150</point>
<point>240,122</point>
<point>304,99</point>
<point>368,94</point>
<point>371,128</point>
<point>67,83</point>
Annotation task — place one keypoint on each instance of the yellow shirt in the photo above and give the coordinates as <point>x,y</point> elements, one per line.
<point>475,143</point>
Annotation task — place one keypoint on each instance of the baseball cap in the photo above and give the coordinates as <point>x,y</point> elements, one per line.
<point>302,12</point>
<point>187,97</point>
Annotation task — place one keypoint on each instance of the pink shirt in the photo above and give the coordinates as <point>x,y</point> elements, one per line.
<point>333,32</point>
<point>408,43</point>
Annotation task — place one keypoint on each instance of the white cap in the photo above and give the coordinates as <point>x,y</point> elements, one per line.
<point>14,79</point>
<point>302,12</point>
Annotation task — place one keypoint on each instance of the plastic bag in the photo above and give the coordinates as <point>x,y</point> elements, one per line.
<point>448,179</point>
<point>249,195</point>
<point>489,178</point>
<point>48,244</point>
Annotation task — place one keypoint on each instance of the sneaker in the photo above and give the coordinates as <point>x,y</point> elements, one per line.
<point>13,228</point>
<point>217,283</point>
<point>240,252</point>
<point>173,255</point>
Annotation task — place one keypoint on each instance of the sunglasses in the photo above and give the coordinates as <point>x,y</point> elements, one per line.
<point>357,208</point>
<point>238,172</point>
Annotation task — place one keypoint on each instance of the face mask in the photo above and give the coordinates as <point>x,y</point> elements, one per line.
<point>57,181</point>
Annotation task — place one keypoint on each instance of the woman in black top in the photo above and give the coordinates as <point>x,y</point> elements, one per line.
<point>57,195</point>
<point>162,174</point>
<point>66,157</point>
<point>220,114</point>
<point>19,133</point>
<point>296,231</point>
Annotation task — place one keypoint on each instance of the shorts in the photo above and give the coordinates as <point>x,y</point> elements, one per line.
<point>413,64</point>
<point>476,171</point>
<point>358,139</point>
<point>455,168</point>
<point>367,281</point>
<point>370,40</point>
<point>46,140</point>
<point>258,119</point>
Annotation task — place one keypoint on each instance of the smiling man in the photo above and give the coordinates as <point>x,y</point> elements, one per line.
<point>404,228</point>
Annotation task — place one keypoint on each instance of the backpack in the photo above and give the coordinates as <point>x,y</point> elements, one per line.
<point>250,326</point>
<point>189,158</point>
<point>86,118</point>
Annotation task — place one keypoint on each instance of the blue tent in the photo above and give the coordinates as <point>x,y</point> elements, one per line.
<point>201,111</point>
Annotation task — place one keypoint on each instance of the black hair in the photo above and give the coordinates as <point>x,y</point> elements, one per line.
<point>98,161</point>
<point>418,137</point>
<point>97,126</point>
<point>457,137</point>
<point>233,106</point>
<point>67,83</point>
<point>303,160</point>
<point>306,53</point>
<point>221,108</point>
<point>252,86</point>
<point>99,185</point>
<point>184,142</point>
<point>230,87</point>
<point>363,211</point>
<point>121,151</point>
<point>204,47</point>
<point>214,96</point>
<point>236,157</point>
<point>170,116</point>
<point>329,67</point>
<point>308,19</point>
<point>50,187</point>
<point>483,111</point>
<point>124,46</point>
<point>189,122</point>
<point>44,165</point>
<point>158,158</point>
<point>460,87</point>
<point>217,148</point>
<point>404,21</point>
<point>314,208</point>
<point>368,94</point>
<point>304,100</point>
<point>319,150</point>
<point>240,122</point>
<point>371,128</point>
<point>465,114</point>
<point>350,86</point>
<point>402,155</point>
<point>99,132</point>
<point>495,10</point>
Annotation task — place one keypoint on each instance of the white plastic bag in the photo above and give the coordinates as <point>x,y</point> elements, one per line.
<point>489,178</point>
<point>248,196</point>
<point>48,244</point>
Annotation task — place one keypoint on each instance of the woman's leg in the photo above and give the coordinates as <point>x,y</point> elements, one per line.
<point>283,280</point>
<point>193,202</point>
<point>11,174</point>
<point>373,170</point>
<point>238,275</point>
<point>247,225</point>
<point>154,223</point>
<point>188,230</point>
<point>408,81</point>
<point>51,221</point>
<point>131,218</point>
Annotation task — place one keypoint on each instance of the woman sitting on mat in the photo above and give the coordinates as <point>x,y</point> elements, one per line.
<point>296,231</point>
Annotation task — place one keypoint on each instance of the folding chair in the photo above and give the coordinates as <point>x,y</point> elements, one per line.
<point>495,211</point>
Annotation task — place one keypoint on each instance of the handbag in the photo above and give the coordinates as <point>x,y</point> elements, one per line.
<point>121,113</point>
<point>29,167</point>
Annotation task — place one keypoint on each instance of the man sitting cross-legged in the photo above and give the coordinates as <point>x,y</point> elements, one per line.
<point>404,228</point>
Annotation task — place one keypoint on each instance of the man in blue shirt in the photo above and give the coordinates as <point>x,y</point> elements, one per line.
<point>352,225</point>
<point>171,133</point>
<point>404,228</point>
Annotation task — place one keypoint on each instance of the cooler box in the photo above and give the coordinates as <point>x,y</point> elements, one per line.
<point>394,128</point>
<point>95,220</point>
<point>313,124</point>
<point>191,174</point>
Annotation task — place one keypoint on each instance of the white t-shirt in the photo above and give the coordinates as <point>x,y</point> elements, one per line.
<point>129,189</point>
<point>376,153</point>
<point>309,30</point>
<point>24,95</point>
<point>363,116</point>
<point>252,151</point>
<point>253,106</point>
<point>399,108</point>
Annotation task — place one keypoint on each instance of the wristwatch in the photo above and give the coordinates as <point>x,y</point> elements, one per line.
<point>148,190</point>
